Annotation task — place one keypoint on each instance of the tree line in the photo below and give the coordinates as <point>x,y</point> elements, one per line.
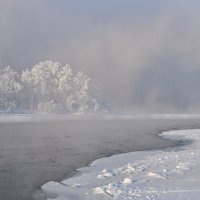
<point>47,87</point>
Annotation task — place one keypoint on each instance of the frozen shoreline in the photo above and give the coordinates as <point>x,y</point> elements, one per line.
<point>156,174</point>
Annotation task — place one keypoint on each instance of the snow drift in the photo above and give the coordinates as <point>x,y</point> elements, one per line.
<point>147,175</point>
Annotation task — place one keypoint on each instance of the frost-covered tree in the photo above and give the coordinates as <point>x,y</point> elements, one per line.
<point>10,89</point>
<point>46,87</point>
<point>45,84</point>
<point>50,86</point>
<point>80,94</point>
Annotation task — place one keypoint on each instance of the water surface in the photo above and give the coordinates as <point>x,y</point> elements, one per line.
<point>33,153</point>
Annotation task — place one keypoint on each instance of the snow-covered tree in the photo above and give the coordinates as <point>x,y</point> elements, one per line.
<point>10,89</point>
<point>52,87</point>
<point>46,83</point>
<point>46,87</point>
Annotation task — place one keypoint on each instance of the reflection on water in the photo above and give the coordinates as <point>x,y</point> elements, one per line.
<point>32,154</point>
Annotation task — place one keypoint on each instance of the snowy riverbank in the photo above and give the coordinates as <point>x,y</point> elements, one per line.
<point>146,175</point>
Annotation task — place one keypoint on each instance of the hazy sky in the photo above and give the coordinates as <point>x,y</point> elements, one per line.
<point>144,54</point>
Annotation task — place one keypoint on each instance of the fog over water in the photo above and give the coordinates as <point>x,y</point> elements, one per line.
<point>37,149</point>
<point>144,54</point>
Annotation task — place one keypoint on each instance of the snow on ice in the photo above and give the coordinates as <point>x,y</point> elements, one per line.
<point>172,173</point>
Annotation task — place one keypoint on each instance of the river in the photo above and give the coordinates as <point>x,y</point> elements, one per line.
<point>35,152</point>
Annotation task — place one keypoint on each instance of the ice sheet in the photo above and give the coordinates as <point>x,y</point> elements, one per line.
<point>146,175</point>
